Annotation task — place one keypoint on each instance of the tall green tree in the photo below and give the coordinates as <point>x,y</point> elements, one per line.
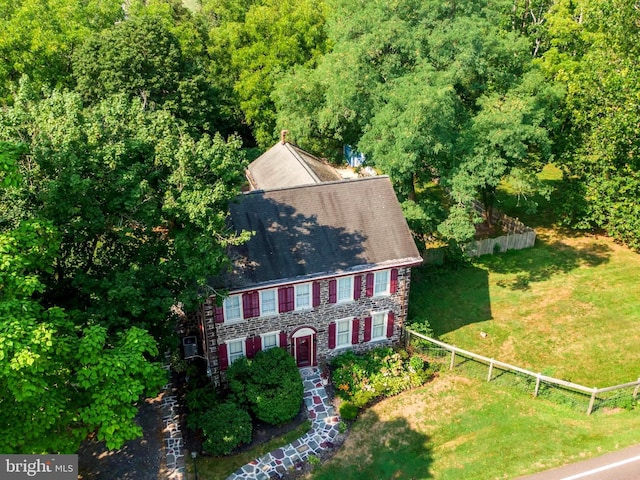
<point>142,58</point>
<point>595,54</point>
<point>120,215</point>
<point>140,204</point>
<point>255,43</point>
<point>39,37</point>
<point>427,90</point>
<point>59,381</point>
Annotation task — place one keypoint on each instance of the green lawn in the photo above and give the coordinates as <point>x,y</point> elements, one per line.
<point>460,428</point>
<point>570,307</point>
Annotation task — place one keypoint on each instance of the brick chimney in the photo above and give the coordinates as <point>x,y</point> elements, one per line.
<point>283,136</point>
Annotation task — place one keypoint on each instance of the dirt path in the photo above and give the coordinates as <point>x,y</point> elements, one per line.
<point>140,459</point>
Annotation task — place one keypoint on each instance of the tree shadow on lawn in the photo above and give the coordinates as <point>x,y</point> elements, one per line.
<point>381,450</point>
<point>463,298</point>
<point>464,294</point>
<point>548,258</point>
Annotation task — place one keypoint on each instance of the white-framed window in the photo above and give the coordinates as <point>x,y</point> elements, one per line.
<point>233,308</point>
<point>269,340</point>
<point>378,325</point>
<point>343,332</point>
<point>303,296</point>
<point>381,283</point>
<point>268,302</point>
<point>344,289</point>
<point>235,349</point>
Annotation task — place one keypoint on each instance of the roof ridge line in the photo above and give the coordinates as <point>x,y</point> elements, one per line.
<point>321,184</point>
<point>304,165</point>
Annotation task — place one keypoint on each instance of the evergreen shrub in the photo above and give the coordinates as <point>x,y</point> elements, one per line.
<point>225,427</point>
<point>269,385</point>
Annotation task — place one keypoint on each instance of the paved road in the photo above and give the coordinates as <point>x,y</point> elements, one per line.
<point>621,465</point>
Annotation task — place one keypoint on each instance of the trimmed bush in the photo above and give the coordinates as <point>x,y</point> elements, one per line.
<point>202,399</point>
<point>348,411</point>
<point>225,427</point>
<point>269,385</point>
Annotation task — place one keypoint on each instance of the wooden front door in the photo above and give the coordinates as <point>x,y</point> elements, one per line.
<point>304,350</point>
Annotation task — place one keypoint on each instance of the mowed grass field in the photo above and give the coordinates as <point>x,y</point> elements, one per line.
<point>570,307</point>
<point>456,428</point>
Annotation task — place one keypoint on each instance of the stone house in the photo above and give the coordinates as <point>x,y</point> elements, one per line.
<point>327,269</point>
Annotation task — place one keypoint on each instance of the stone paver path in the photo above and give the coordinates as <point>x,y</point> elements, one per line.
<point>324,429</point>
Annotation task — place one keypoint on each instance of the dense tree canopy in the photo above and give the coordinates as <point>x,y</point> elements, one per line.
<point>426,90</point>
<point>255,43</point>
<point>39,37</point>
<point>595,54</point>
<point>142,58</point>
<point>127,212</point>
<point>118,155</point>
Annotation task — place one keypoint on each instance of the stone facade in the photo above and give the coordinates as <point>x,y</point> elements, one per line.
<point>315,321</point>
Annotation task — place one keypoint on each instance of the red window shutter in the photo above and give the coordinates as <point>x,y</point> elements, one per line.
<point>247,305</point>
<point>394,281</point>
<point>249,347</point>
<point>390,318</point>
<point>367,329</point>
<point>316,294</point>
<point>286,296</point>
<point>332,335</point>
<point>283,339</point>
<point>218,314</point>
<point>333,291</point>
<point>257,344</point>
<point>369,290</point>
<point>355,331</point>
<point>291,298</point>
<point>223,359</point>
<point>282,300</point>
<point>357,287</point>
<point>254,304</point>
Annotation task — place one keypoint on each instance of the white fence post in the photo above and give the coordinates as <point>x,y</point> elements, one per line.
<point>538,376</point>
<point>535,394</point>
<point>592,401</point>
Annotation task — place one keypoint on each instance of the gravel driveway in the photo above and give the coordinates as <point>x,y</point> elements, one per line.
<point>141,459</point>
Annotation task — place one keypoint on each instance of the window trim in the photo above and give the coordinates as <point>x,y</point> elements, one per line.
<point>387,291</point>
<point>243,342</point>
<point>349,322</point>
<point>275,302</point>
<point>275,334</point>
<point>385,322</point>
<point>225,309</point>
<point>309,305</point>
<point>349,290</point>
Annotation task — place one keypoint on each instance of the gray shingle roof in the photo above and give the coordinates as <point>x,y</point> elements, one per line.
<point>311,230</point>
<point>285,165</point>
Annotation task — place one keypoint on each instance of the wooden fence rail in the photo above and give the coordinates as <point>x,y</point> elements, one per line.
<point>539,377</point>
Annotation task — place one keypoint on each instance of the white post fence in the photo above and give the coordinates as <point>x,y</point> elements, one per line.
<point>592,391</point>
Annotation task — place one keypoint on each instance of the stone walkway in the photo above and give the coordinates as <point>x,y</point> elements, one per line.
<point>173,443</point>
<point>324,428</point>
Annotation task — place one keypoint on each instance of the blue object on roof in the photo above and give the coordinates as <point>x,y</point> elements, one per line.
<point>353,157</point>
